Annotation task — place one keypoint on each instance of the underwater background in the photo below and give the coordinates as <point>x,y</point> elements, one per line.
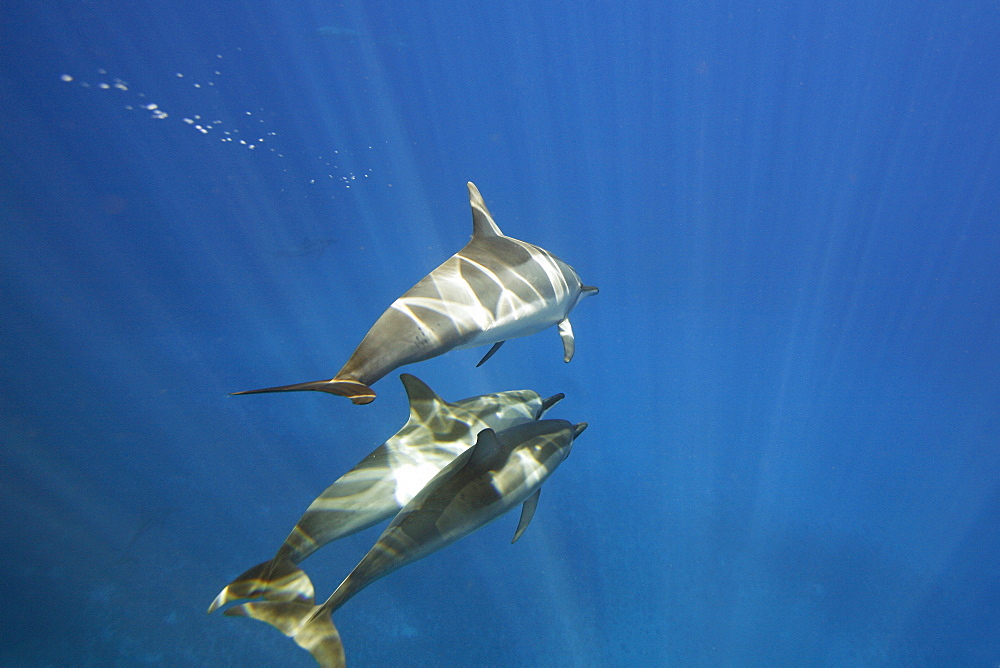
<point>791,373</point>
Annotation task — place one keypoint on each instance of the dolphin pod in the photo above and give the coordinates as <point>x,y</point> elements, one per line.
<point>453,467</point>
<point>502,470</point>
<point>384,481</point>
<point>495,288</point>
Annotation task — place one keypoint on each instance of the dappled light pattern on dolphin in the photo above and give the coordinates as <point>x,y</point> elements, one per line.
<point>495,288</point>
<point>383,482</point>
<point>502,470</point>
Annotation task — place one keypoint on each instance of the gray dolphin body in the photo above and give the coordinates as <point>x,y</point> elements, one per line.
<point>495,288</point>
<point>502,470</point>
<point>383,482</point>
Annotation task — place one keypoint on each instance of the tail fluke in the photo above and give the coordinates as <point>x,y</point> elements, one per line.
<point>321,639</point>
<point>275,580</point>
<point>357,392</point>
<point>310,626</point>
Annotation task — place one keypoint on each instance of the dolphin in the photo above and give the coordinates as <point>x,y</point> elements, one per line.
<point>495,288</point>
<point>384,481</point>
<point>503,469</point>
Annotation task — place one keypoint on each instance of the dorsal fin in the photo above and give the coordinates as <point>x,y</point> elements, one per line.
<point>482,220</point>
<point>487,453</point>
<point>423,400</point>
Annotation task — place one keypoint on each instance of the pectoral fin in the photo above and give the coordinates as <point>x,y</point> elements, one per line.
<point>527,512</point>
<point>569,344</point>
<point>489,354</point>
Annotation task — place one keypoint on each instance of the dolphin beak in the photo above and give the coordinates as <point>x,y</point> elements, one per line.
<point>549,403</point>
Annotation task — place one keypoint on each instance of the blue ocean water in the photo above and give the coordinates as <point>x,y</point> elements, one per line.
<point>791,372</point>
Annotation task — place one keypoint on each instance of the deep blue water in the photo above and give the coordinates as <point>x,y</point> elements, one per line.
<point>791,374</point>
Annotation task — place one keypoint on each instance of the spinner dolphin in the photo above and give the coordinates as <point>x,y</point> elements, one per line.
<point>495,288</point>
<point>503,469</point>
<point>383,482</point>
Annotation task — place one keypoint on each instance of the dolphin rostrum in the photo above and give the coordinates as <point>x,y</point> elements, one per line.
<point>384,481</point>
<point>503,469</point>
<point>494,289</point>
